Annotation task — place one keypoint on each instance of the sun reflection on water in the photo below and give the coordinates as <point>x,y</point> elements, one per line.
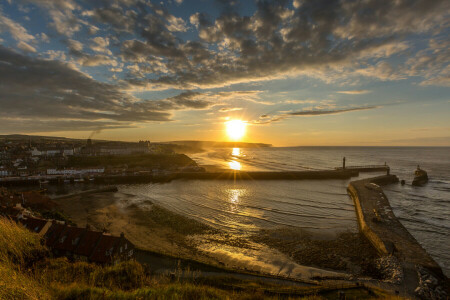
<point>234,165</point>
<point>234,198</point>
<point>236,152</point>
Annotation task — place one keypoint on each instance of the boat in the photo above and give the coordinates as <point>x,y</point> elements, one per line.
<point>420,177</point>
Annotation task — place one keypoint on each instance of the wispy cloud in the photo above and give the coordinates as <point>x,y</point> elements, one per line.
<point>268,118</point>
<point>354,92</point>
<point>229,109</point>
<point>330,112</point>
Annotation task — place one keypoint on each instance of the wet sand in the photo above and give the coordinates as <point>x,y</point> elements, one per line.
<point>154,228</point>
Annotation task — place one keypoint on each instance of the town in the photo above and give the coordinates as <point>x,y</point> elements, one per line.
<point>70,160</point>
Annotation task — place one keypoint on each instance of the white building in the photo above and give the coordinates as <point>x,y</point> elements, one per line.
<point>36,152</point>
<point>53,152</point>
<point>68,151</point>
<point>4,172</point>
<point>74,171</point>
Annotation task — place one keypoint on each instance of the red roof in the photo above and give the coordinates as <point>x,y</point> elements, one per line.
<point>87,243</point>
<point>106,249</point>
<point>33,224</point>
<point>9,211</point>
<point>53,233</point>
<point>69,239</point>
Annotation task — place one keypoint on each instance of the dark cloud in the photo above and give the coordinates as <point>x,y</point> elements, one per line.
<point>268,118</point>
<point>329,112</point>
<point>52,92</point>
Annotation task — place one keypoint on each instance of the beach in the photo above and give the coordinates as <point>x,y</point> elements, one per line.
<point>151,227</point>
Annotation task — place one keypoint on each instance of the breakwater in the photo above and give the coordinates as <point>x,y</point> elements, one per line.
<point>231,175</point>
<point>169,176</point>
<point>105,189</point>
<point>381,227</point>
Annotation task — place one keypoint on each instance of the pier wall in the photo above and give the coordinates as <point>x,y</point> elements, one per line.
<point>389,237</point>
<point>168,176</point>
<point>373,238</point>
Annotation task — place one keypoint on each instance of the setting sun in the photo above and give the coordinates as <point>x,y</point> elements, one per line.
<point>235,129</point>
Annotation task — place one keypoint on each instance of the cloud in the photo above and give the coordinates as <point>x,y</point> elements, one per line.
<point>88,60</point>
<point>229,109</point>
<point>383,71</point>
<point>61,12</point>
<point>329,112</point>
<point>17,31</point>
<point>43,37</point>
<point>25,47</point>
<point>276,42</point>
<point>52,92</point>
<point>269,118</point>
<point>100,44</point>
<point>354,92</point>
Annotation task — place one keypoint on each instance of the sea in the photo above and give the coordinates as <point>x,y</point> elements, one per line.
<point>317,206</point>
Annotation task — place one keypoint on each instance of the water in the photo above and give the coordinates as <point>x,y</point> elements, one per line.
<point>243,207</point>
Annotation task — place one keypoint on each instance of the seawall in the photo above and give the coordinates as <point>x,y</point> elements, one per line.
<point>88,192</point>
<point>232,175</point>
<point>382,228</point>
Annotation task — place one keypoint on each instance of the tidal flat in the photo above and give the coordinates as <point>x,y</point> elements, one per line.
<point>287,251</point>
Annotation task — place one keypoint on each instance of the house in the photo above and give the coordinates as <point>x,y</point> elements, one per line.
<point>39,226</point>
<point>88,245</point>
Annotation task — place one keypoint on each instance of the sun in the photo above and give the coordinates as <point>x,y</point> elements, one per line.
<point>236,129</point>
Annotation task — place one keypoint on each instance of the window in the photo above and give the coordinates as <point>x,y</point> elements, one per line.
<point>61,240</point>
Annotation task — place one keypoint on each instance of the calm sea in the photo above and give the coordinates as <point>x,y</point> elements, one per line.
<point>244,207</point>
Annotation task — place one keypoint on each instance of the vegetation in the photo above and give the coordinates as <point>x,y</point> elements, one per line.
<point>28,272</point>
<point>148,161</point>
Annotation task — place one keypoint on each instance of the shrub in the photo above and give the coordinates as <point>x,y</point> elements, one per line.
<point>125,275</point>
<point>18,245</point>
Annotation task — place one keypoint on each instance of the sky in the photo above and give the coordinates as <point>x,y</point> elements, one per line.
<point>301,72</point>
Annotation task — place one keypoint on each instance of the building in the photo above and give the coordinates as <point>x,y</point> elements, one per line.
<point>81,244</point>
<point>75,171</point>
<point>87,245</point>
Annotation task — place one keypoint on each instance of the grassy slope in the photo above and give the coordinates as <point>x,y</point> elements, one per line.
<point>27,272</point>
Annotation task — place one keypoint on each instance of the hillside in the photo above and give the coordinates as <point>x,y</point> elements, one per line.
<point>27,271</point>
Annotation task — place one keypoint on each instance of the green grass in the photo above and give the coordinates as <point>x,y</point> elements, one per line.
<point>28,272</point>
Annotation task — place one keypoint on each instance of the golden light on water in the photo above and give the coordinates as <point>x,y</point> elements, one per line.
<point>236,152</point>
<point>235,129</point>
<point>234,198</point>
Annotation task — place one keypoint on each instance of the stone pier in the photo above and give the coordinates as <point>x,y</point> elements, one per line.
<point>422,276</point>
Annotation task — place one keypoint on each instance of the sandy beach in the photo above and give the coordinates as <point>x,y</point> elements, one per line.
<point>286,252</point>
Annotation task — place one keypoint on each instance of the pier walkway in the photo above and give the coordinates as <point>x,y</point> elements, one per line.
<point>381,227</point>
<point>164,176</point>
<point>368,168</point>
